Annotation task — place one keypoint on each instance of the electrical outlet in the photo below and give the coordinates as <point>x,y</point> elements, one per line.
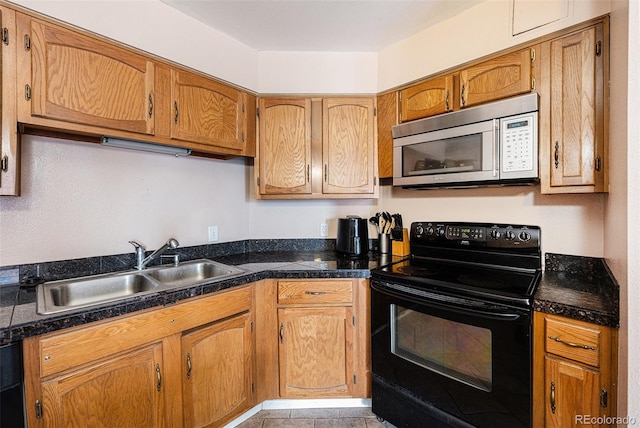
<point>213,233</point>
<point>324,229</point>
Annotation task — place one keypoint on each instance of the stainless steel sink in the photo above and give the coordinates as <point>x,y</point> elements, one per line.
<point>193,272</point>
<point>76,293</point>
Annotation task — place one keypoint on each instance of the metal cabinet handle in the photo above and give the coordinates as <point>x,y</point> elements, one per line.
<point>315,293</point>
<point>150,105</point>
<point>281,333</point>
<point>446,100</point>
<point>556,154</point>
<point>308,173</point>
<point>462,97</point>
<point>188,366</point>
<point>159,377</point>
<point>325,171</point>
<point>175,107</point>
<point>573,345</point>
<point>552,397</point>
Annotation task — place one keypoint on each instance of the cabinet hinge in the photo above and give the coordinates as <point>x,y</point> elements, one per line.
<point>533,83</point>
<point>27,92</point>
<point>598,48</point>
<point>4,163</point>
<point>253,389</point>
<point>27,43</point>
<point>375,111</point>
<point>400,97</point>
<point>355,379</point>
<point>258,181</point>
<point>251,326</point>
<point>603,398</point>
<point>353,320</point>
<point>598,163</point>
<point>5,36</point>
<point>533,55</point>
<point>258,112</point>
<point>243,136</point>
<point>243,107</point>
<point>38,409</point>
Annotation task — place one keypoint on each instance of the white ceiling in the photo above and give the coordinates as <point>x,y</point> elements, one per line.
<point>321,25</point>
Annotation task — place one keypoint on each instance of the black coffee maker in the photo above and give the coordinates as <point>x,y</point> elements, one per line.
<point>353,236</point>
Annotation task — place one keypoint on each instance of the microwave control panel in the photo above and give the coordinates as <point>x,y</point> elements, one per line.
<point>519,143</point>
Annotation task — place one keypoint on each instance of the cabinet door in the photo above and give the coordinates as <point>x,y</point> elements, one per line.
<point>217,372</point>
<point>285,146</point>
<point>435,96</point>
<point>387,117</point>
<point>315,351</point>
<point>499,78</point>
<point>80,79</point>
<point>123,391</point>
<point>348,146</point>
<point>9,153</point>
<point>574,133</point>
<point>206,111</point>
<point>573,392</point>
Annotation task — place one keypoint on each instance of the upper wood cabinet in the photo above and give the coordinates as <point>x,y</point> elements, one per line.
<point>387,117</point>
<point>317,148</point>
<point>348,146</point>
<point>207,112</point>
<point>574,112</point>
<point>9,150</point>
<point>498,78</point>
<point>431,97</point>
<point>217,372</point>
<point>80,79</point>
<point>285,146</point>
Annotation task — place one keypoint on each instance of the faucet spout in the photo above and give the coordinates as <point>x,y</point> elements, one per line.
<point>142,262</point>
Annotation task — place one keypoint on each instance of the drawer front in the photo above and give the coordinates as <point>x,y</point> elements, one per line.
<point>578,343</point>
<point>312,292</point>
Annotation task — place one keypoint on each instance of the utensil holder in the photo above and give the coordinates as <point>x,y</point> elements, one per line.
<point>401,247</point>
<point>384,243</point>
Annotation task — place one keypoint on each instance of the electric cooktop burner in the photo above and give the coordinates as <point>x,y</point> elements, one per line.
<point>417,271</point>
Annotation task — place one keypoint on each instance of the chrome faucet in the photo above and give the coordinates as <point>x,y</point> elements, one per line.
<point>141,261</point>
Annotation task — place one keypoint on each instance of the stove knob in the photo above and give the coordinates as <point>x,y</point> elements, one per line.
<point>524,236</point>
<point>429,230</point>
<point>495,234</point>
<point>509,235</point>
<point>419,230</point>
<point>439,231</point>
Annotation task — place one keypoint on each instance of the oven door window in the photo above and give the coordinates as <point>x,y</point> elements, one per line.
<point>458,351</point>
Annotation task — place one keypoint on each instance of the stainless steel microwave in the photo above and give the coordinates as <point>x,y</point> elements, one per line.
<point>492,144</point>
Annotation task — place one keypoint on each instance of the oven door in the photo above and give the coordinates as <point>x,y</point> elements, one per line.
<point>460,154</point>
<point>440,360</point>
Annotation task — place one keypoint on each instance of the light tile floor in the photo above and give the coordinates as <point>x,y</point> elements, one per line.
<point>350,417</point>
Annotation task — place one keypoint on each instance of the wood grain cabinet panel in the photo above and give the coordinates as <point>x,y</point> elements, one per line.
<point>80,79</point>
<point>348,147</point>
<point>207,112</point>
<point>315,352</point>
<point>123,391</point>
<point>434,96</point>
<point>575,370</point>
<point>9,150</point>
<point>217,372</point>
<point>573,131</point>
<point>492,80</point>
<point>387,117</point>
<point>285,146</point>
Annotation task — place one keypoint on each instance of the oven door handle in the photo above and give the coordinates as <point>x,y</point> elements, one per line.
<point>434,302</point>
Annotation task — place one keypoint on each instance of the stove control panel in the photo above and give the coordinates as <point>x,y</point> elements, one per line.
<point>475,234</point>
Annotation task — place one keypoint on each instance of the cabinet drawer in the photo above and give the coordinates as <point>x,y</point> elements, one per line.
<point>576,342</point>
<point>306,292</point>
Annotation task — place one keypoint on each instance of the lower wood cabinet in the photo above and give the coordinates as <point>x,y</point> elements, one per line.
<point>217,369</point>
<point>185,365</point>
<point>574,372</point>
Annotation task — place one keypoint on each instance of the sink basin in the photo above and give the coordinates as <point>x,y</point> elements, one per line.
<point>80,292</point>
<point>191,273</point>
<point>76,293</point>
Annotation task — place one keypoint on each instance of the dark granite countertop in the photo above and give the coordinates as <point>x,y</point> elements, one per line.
<point>581,288</point>
<point>576,287</point>
<point>20,320</point>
